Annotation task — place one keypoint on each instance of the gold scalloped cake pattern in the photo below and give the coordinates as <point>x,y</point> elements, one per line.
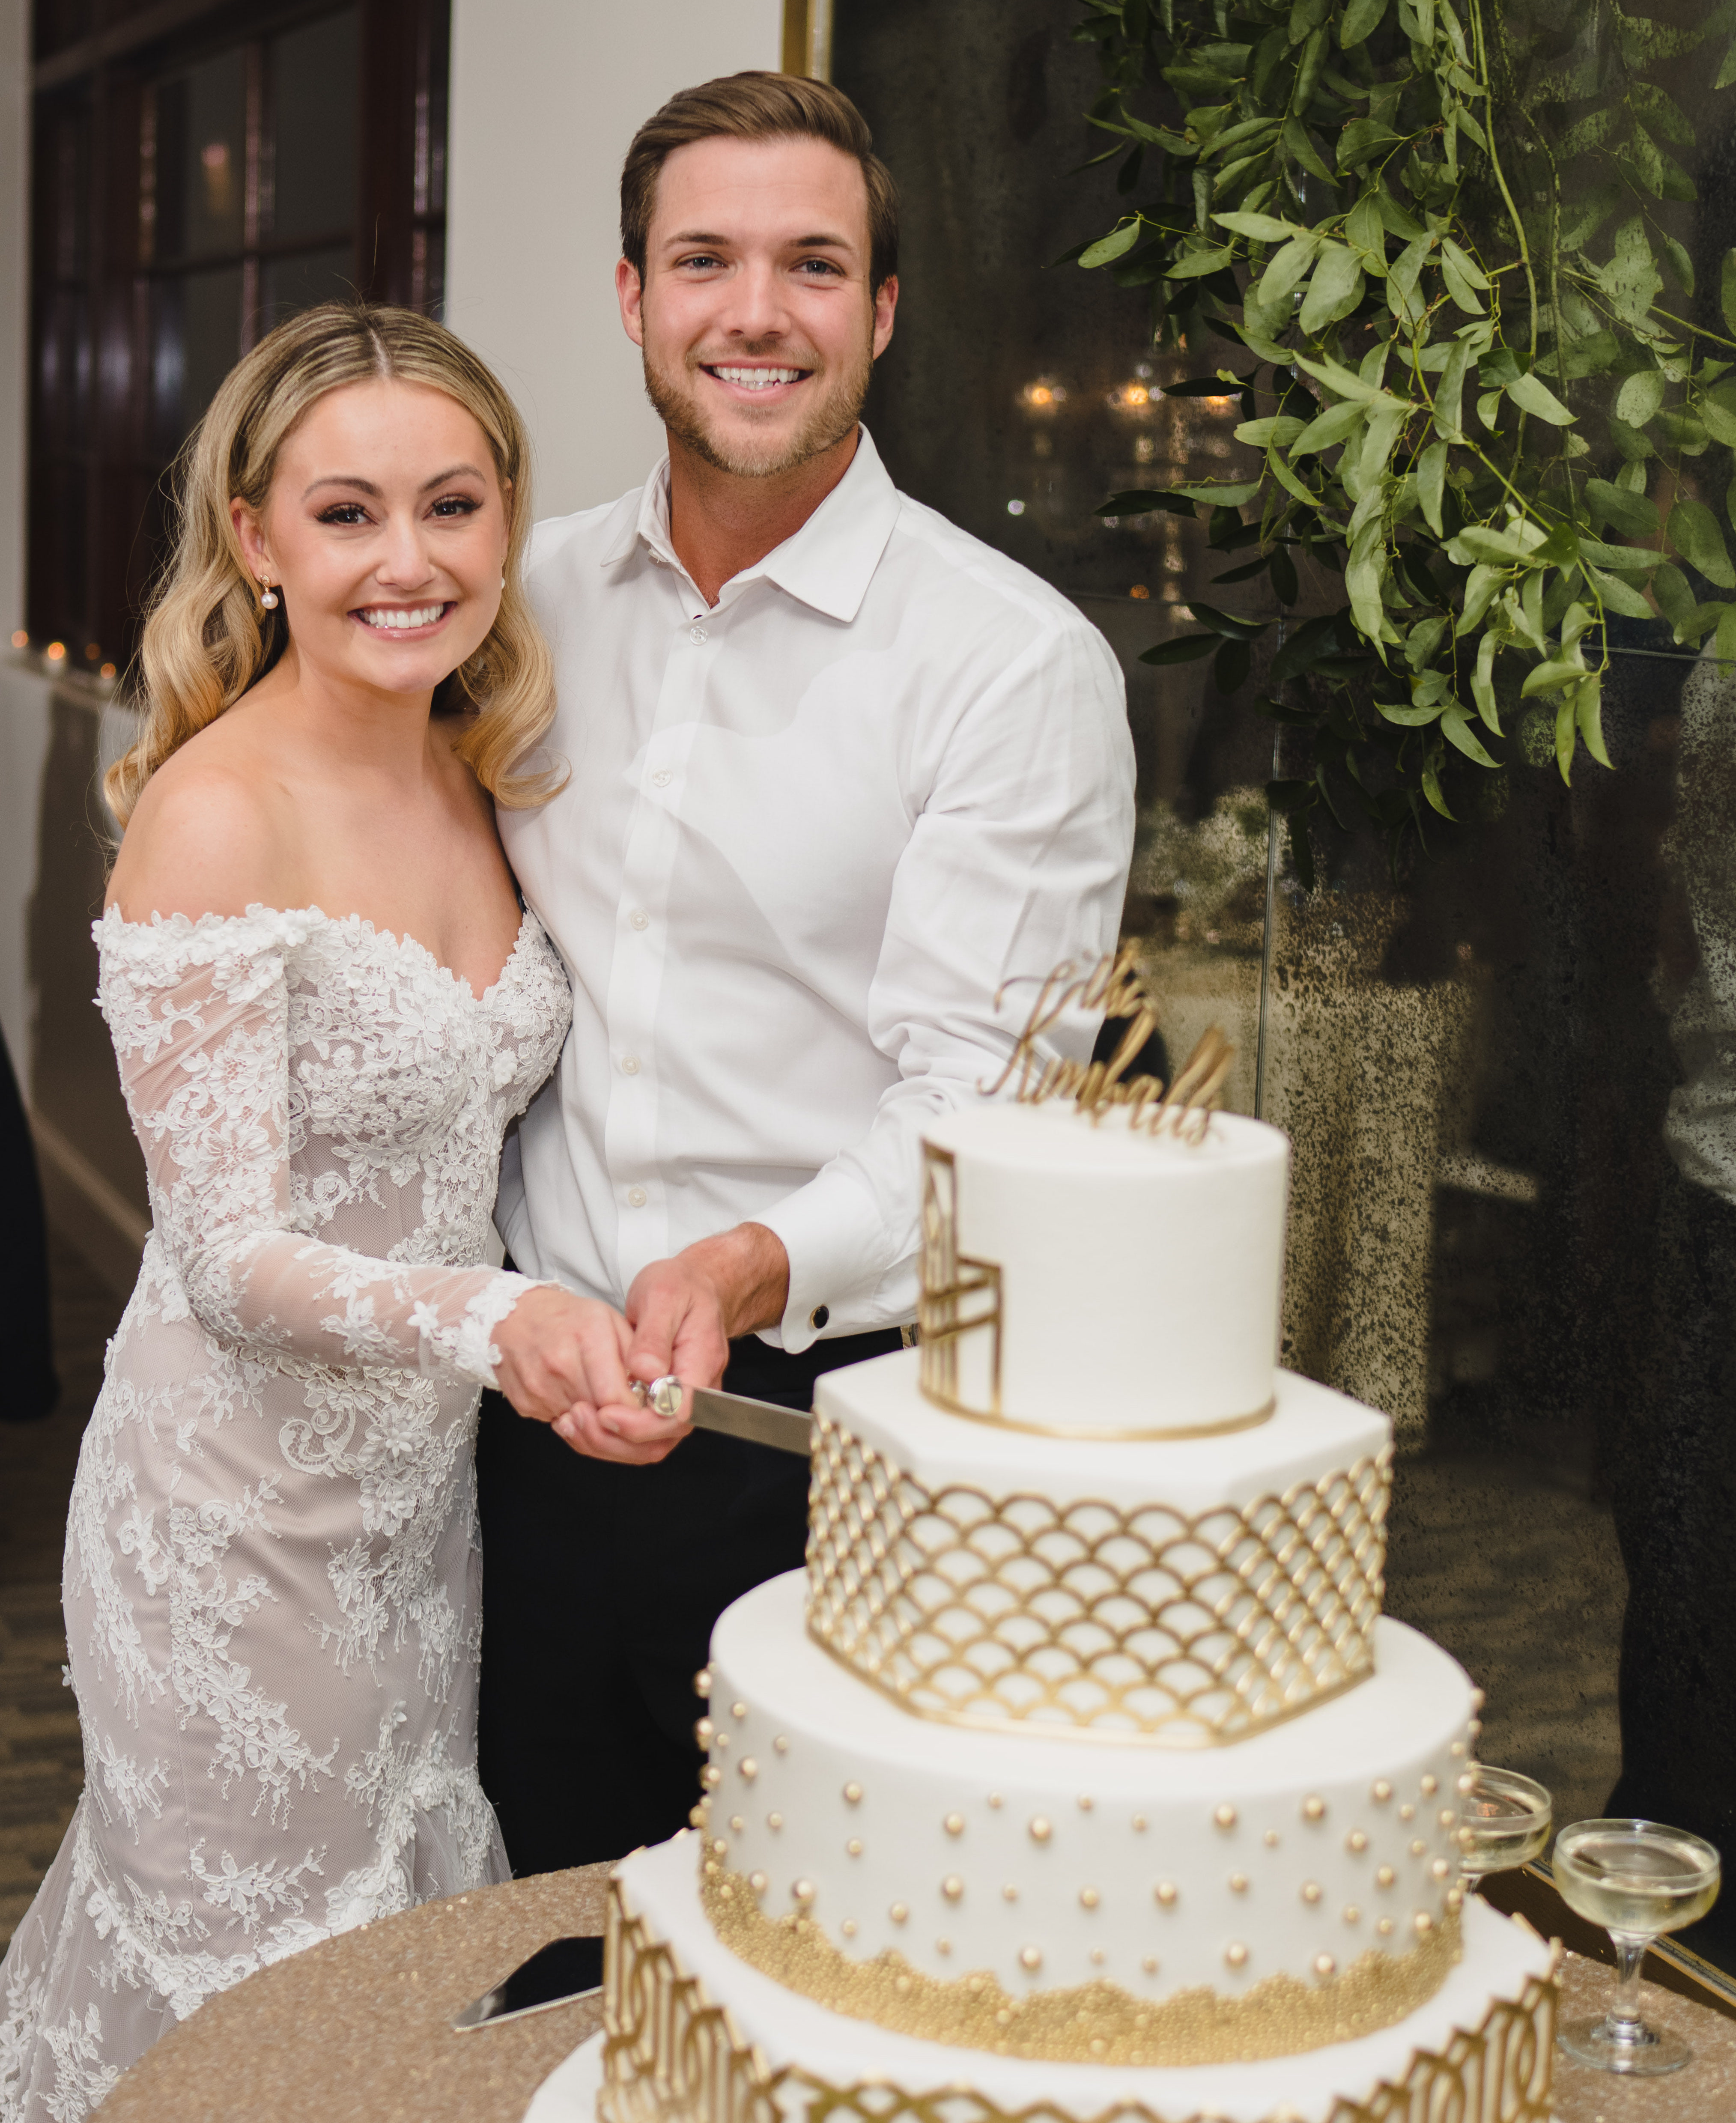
<point>1011,1612</point>
<point>671,2055</point>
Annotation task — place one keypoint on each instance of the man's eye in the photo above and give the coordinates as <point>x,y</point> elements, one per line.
<point>819,268</point>
<point>456,504</point>
<point>345,512</point>
<point>702,263</point>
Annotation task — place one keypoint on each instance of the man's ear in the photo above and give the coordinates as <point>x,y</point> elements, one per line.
<point>885,302</point>
<point>629,293</point>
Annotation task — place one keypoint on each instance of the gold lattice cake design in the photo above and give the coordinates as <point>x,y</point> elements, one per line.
<point>1015,1612</point>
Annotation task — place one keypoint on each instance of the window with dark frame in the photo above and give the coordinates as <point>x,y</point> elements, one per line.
<point>198,173</point>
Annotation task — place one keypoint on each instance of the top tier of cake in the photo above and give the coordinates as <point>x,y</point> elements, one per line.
<point>1095,1279</point>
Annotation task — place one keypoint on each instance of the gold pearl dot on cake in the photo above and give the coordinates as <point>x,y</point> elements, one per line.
<point>721,1742</point>
<point>1385,1927</point>
<point>1085,1803</point>
<point>1088,1898</point>
<point>1325,1964</point>
<point>1271,1838</point>
<point>849,1926</point>
<point>748,1767</point>
<point>1235,1954</point>
<point>738,1711</point>
<point>1150,1964</point>
<point>711,1776</point>
<point>1030,1957</point>
<point>1418,1848</point>
<point>1352,1914</point>
<point>1424,1923</point>
<point>952,1886</point>
<point>1457,1750</point>
<point>1475,1728</point>
<point>954,1823</point>
<point>1430,1785</point>
<point>1009,1893</point>
<point>1041,1830</point>
<point>852,1794</point>
<point>1225,1816</point>
<point>1356,1840</point>
<point>1314,1807</point>
<point>758,1882</point>
<point>719,1849</point>
<point>1238,1883</point>
<point>1407,1812</point>
<point>1477,1700</point>
<point>854,1846</point>
<point>1447,1817</point>
<point>1385,1877</point>
<point>898,1912</point>
<point>774,1820</point>
<point>802,1890</point>
<point>943,1946</point>
<point>702,1682</point>
<point>1310,1890</point>
<point>704,1732</point>
<point>1440,1868</point>
<point>1455,1899</point>
<point>781,1745</point>
<point>1380,1791</point>
<point>1167,1892</point>
<point>737,1824</point>
<point>1139,1823</point>
<point>995,1800</point>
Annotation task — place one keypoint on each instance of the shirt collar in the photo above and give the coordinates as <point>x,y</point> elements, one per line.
<point>828,564</point>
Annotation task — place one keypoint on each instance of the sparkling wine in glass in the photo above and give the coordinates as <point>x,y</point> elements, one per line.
<point>1637,1879</point>
<point>1505,1820</point>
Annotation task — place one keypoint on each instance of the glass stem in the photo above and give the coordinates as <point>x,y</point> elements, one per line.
<point>1625,2022</point>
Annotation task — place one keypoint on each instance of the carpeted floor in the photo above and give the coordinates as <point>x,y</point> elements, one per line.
<point>1519,1579</point>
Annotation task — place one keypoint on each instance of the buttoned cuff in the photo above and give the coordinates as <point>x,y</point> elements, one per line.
<point>834,1236</point>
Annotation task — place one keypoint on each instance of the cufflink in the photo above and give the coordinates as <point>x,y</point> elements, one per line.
<point>662,1396</point>
<point>818,1316</point>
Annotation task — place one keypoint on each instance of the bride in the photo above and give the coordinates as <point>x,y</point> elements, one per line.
<point>327,1008</point>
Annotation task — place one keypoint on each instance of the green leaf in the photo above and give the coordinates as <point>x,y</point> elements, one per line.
<point>1228,496</point>
<point>1623,560</point>
<point>1727,72</point>
<point>1432,789</point>
<point>1280,428</point>
<point>1303,148</point>
<point>1185,649</point>
<point>1334,290</point>
<point>1141,501</point>
<point>1408,717</point>
<point>1693,531</point>
<point>1449,417</point>
<point>1482,683</point>
<point>1456,728</point>
<point>1259,228</point>
<point>1566,734</point>
<point>1431,480</point>
<point>1631,279</point>
<point>1639,397</point>
<point>1463,264</point>
<point>1336,424</point>
<point>1633,514</point>
<point>1287,269</point>
<point>1363,139</point>
<point>1460,289</point>
<point>1617,595</point>
<point>1363,574</point>
<point>1680,265</point>
<point>1718,411</point>
<point>1675,599</point>
<point>1231,666</point>
<point>1477,541</point>
<point>1227,624</point>
<point>1588,700</point>
<point>1536,397</point>
<point>1284,583</point>
<point>1725,644</point>
<point>1366,233</point>
<point>1480,590</point>
<point>1548,678</point>
<point>1358,19</point>
<point>1195,264</point>
<point>1114,245</point>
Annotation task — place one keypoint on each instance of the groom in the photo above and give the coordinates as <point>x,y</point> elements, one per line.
<point>839,771</point>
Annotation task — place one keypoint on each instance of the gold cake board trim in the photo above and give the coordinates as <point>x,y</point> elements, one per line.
<point>672,2056</point>
<point>1096,2022</point>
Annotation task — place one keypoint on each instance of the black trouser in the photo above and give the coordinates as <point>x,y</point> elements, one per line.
<point>1673,1478</point>
<point>600,1586</point>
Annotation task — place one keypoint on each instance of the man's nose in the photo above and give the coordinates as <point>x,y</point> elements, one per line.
<point>756,308</point>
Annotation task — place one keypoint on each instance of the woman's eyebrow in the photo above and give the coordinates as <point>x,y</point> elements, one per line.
<point>368,486</point>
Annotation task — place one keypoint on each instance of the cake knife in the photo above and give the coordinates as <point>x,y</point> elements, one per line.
<point>733,1415</point>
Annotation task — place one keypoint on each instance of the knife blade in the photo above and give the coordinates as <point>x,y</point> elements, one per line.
<point>760,1421</point>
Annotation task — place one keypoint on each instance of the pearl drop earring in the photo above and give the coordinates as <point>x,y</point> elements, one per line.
<point>267,597</point>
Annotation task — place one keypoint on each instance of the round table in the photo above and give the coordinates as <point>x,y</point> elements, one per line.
<point>356,2030</point>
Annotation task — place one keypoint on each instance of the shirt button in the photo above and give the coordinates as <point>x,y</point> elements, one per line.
<point>630,1065</point>
<point>818,1316</point>
<point>639,919</point>
<point>662,778</point>
<point>697,633</point>
<point>635,1198</point>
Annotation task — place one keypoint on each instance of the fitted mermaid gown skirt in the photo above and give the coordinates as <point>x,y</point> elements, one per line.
<point>272,1577</point>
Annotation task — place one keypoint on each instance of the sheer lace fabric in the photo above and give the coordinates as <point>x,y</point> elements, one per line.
<point>272,1578</point>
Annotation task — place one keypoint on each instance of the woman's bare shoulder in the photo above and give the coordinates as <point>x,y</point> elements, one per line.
<point>205,837</point>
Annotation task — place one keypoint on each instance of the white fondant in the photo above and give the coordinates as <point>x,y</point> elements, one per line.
<point>661,1886</point>
<point>569,2094</point>
<point>1140,1276</point>
<point>1312,1432</point>
<point>793,1728</point>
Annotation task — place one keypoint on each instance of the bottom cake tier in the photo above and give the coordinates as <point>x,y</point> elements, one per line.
<point>695,2036</point>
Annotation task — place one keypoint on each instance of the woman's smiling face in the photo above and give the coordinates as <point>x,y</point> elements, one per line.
<point>385,534</point>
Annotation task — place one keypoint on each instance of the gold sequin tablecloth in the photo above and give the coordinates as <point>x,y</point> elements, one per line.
<point>355,2031</point>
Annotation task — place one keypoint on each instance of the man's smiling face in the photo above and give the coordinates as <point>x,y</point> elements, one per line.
<point>757,324</point>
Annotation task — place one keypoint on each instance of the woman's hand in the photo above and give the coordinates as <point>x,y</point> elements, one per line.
<point>563,1361</point>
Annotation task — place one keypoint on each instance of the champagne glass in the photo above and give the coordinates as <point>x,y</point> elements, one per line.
<point>1636,1879</point>
<point>1504,1822</point>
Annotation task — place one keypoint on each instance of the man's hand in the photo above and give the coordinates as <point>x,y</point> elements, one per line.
<point>685,1312</point>
<point>563,1361</point>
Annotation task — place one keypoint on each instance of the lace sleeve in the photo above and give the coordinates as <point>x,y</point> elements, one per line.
<point>199,1015</point>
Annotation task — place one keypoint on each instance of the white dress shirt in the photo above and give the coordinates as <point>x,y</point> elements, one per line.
<point>808,832</point>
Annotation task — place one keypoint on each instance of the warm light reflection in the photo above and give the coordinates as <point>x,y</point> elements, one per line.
<point>1133,397</point>
<point>214,159</point>
<point>1042,396</point>
<point>1139,590</point>
<point>106,672</point>
<point>21,639</point>
<point>56,652</point>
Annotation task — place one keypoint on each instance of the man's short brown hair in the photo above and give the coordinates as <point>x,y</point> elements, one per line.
<point>758,107</point>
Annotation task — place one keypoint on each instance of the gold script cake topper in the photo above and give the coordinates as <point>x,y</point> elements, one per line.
<point>1115,986</point>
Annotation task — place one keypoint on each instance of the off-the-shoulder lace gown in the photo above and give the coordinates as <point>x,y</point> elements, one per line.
<point>272,1577</point>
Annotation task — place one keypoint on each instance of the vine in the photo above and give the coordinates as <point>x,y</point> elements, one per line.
<point>1368,194</point>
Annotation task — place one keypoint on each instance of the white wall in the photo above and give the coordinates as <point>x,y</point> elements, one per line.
<point>545,97</point>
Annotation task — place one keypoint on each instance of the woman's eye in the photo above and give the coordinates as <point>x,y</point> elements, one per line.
<point>456,504</point>
<point>343,511</point>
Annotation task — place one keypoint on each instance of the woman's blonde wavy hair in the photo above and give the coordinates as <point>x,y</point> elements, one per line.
<point>207,640</point>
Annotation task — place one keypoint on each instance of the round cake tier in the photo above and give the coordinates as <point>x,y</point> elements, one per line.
<point>989,1577</point>
<point>692,2032</point>
<point>1275,1894</point>
<point>1099,1279</point>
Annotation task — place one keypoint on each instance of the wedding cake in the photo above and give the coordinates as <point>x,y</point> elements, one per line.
<point>1082,1776</point>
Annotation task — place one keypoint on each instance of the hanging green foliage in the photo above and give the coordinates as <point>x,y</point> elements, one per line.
<point>1473,376</point>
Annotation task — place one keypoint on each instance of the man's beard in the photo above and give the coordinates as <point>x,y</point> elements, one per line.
<point>833,415</point>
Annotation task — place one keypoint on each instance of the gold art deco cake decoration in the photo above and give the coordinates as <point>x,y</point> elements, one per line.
<point>1012,1612</point>
<point>671,2055</point>
<point>961,1295</point>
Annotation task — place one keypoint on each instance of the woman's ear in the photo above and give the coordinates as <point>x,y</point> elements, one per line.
<point>251,537</point>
